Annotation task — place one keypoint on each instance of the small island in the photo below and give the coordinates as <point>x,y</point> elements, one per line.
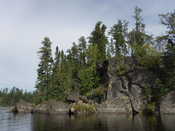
<point>117,71</point>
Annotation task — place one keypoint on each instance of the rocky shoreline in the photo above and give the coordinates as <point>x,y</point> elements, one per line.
<point>120,105</point>
<point>126,92</point>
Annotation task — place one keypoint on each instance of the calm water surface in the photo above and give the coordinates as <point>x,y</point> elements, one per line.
<point>105,122</point>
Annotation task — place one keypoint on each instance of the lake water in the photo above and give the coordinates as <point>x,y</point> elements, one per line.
<point>103,122</point>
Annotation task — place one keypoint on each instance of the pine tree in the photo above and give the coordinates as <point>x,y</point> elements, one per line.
<point>45,68</point>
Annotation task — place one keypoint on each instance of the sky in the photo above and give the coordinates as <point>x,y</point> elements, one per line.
<point>24,23</point>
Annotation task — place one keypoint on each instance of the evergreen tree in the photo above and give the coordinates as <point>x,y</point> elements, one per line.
<point>139,26</point>
<point>73,61</point>
<point>84,66</point>
<point>45,68</point>
<point>168,20</point>
<point>89,77</point>
<point>56,90</point>
<point>168,79</point>
<point>137,35</point>
<point>99,38</point>
<point>57,58</point>
<point>118,33</point>
<point>82,50</point>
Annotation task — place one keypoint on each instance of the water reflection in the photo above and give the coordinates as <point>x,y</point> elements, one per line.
<point>102,122</point>
<point>13,122</point>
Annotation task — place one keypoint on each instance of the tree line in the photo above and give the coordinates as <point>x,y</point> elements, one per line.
<point>77,68</point>
<point>10,97</point>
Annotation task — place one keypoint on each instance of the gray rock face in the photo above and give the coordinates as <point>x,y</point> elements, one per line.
<point>131,85</point>
<point>119,105</point>
<point>128,85</point>
<point>167,105</point>
<point>23,106</point>
<point>52,107</point>
<point>125,92</point>
<point>49,107</point>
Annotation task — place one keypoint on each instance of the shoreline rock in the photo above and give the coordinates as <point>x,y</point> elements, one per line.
<point>119,105</point>
<point>167,105</point>
<point>48,107</point>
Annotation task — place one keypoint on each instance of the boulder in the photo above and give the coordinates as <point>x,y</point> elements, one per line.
<point>52,107</point>
<point>23,106</point>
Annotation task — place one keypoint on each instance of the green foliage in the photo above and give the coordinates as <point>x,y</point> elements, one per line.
<point>168,20</point>
<point>89,79</point>
<point>14,95</point>
<point>122,67</point>
<point>147,56</point>
<point>118,33</point>
<point>84,108</point>
<point>45,68</point>
<point>99,39</point>
<point>150,108</point>
<point>80,68</point>
<point>97,94</point>
<point>137,35</point>
<point>139,26</point>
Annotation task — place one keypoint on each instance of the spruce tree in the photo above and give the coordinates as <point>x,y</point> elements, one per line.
<point>99,38</point>
<point>56,90</point>
<point>45,68</point>
<point>82,50</point>
<point>118,33</point>
<point>137,35</point>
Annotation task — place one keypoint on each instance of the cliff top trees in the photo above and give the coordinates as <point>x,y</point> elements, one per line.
<point>99,39</point>
<point>118,33</point>
<point>137,35</point>
<point>168,20</point>
<point>139,26</point>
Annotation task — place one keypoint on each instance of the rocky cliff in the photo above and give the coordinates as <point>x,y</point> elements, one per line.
<point>128,90</point>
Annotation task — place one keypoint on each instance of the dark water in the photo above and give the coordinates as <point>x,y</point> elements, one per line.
<point>105,122</point>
